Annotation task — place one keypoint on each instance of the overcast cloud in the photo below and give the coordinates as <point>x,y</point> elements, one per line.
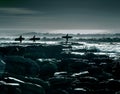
<point>78,16</point>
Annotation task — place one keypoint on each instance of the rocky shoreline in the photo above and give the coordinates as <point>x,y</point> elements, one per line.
<point>47,70</point>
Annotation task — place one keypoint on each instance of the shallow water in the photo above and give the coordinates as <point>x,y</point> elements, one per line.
<point>104,48</point>
<point>107,48</point>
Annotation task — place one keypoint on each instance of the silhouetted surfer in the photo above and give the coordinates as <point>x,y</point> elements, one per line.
<point>67,37</point>
<point>20,39</point>
<point>34,38</point>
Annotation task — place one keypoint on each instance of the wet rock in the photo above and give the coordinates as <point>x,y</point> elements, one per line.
<point>113,84</point>
<point>77,66</point>
<point>118,92</point>
<point>100,59</point>
<point>44,84</point>
<point>88,79</point>
<point>73,65</point>
<point>58,91</point>
<point>60,82</point>
<point>89,55</point>
<point>13,80</point>
<point>43,51</point>
<point>29,85</point>
<point>60,74</point>
<point>86,82</point>
<point>21,66</point>
<point>47,69</point>
<point>9,88</point>
<point>2,68</point>
<point>116,69</point>
<point>99,73</point>
<point>29,88</point>
<point>107,67</point>
<point>76,83</point>
<point>102,91</point>
<point>12,50</point>
<point>79,91</point>
<point>80,74</point>
<point>22,79</point>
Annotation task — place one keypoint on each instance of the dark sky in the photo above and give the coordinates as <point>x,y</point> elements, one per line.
<point>70,16</point>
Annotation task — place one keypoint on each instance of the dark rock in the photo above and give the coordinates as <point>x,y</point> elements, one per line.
<point>58,91</point>
<point>80,74</point>
<point>48,51</point>
<point>73,65</point>
<point>44,84</point>
<point>60,82</point>
<point>9,88</point>
<point>29,88</point>
<point>12,50</point>
<point>116,69</point>
<point>13,80</point>
<point>47,69</point>
<point>99,73</point>
<point>60,74</point>
<point>113,85</point>
<point>79,91</point>
<point>2,68</point>
<point>118,92</point>
<point>88,79</point>
<point>86,82</point>
<point>21,66</point>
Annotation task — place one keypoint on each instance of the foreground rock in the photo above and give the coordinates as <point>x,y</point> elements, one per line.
<point>47,68</point>
<point>15,86</point>
<point>21,66</point>
<point>2,68</point>
<point>44,70</point>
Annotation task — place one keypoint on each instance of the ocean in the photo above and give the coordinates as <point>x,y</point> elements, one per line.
<point>112,49</point>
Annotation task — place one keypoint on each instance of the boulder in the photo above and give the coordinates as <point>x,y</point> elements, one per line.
<point>9,88</point>
<point>113,84</point>
<point>47,69</point>
<point>79,91</point>
<point>73,65</point>
<point>21,66</point>
<point>26,86</point>
<point>44,84</point>
<point>116,69</point>
<point>60,82</point>
<point>29,88</point>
